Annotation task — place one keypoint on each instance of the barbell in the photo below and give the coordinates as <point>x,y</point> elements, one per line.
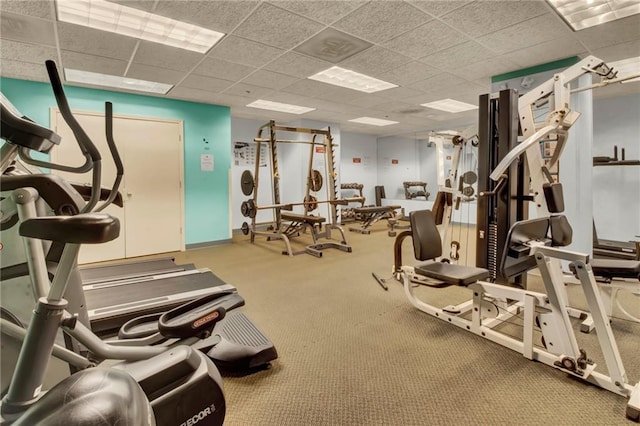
<point>249,209</point>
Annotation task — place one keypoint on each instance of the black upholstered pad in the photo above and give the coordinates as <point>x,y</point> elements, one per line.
<point>452,274</point>
<point>375,209</point>
<point>295,217</point>
<point>616,268</point>
<point>88,228</point>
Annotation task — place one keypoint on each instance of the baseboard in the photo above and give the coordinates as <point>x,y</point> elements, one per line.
<point>208,244</point>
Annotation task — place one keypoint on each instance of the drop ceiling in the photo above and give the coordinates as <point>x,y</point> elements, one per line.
<point>430,49</point>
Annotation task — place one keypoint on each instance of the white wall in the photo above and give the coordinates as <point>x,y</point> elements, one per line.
<point>405,153</point>
<point>365,148</point>
<point>616,189</point>
<point>293,162</point>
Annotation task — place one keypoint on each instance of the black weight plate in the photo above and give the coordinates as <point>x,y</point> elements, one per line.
<point>246,182</point>
<point>469,178</point>
<point>316,181</point>
<point>468,191</point>
<point>245,228</point>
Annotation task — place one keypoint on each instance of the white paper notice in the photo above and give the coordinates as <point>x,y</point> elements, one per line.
<point>206,162</point>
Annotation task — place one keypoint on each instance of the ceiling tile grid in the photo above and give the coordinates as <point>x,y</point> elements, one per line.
<point>429,49</point>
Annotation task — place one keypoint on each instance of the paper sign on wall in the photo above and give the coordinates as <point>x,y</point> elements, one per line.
<point>357,160</point>
<point>394,161</point>
<point>206,162</point>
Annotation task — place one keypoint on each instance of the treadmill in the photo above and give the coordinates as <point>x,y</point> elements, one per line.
<point>107,304</point>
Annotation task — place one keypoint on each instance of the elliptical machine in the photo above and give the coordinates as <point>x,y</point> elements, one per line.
<point>181,383</point>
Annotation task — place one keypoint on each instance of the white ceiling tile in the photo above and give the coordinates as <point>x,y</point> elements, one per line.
<point>329,116</point>
<point>94,42</point>
<point>326,12</point>
<point>458,56</point>
<point>146,5</point>
<point>616,32</point>
<point>92,63</point>
<point>36,8</point>
<point>27,29</point>
<point>152,73</point>
<point>277,27</point>
<point>217,15</point>
<point>528,33</point>
<point>439,8</point>
<point>548,51</point>
<point>243,89</point>
<point>437,82</point>
<point>193,95</point>
<point>619,51</point>
<point>205,83</point>
<point>224,70</point>
<point>297,65</point>
<point>269,79</point>
<point>379,21</point>
<point>486,68</point>
<point>231,100</point>
<point>24,70</point>
<point>374,61</point>
<point>291,98</point>
<point>24,52</point>
<point>426,39</point>
<point>160,55</point>
<point>483,17</point>
<point>307,87</point>
<point>245,52</point>
<point>399,93</point>
<point>394,107</point>
<point>366,100</point>
<point>408,73</point>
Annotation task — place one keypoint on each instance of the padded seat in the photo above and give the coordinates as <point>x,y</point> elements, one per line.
<point>87,228</point>
<point>452,274</point>
<point>296,217</point>
<point>615,268</point>
<point>375,209</point>
<point>428,246</point>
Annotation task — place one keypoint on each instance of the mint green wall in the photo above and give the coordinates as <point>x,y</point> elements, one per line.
<point>206,193</point>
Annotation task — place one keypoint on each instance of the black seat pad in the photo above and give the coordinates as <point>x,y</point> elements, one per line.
<point>375,209</point>
<point>452,274</point>
<point>295,217</point>
<point>616,268</point>
<point>88,228</point>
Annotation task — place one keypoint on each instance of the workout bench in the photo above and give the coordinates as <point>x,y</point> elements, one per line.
<point>373,214</point>
<point>299,223</point>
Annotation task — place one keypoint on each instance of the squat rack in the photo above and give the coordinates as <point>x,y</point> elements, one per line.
<point>314,183</point>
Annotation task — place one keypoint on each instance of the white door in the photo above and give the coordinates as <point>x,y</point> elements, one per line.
<point>151,151</point>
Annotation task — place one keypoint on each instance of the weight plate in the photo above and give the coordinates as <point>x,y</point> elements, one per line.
<point>245,228</point>
<point>311,203</point>
<point>248,208</point>
<point>246,182</point>
<point>315,183</point>
<point>469,178</point>
<point>468,191</point>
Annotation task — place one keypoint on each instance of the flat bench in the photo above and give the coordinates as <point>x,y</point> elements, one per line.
<point>301,218</point>
<point>299,222</point>
<point>373,214</point>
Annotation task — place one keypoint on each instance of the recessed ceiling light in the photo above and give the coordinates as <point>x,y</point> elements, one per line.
<point>351,80</point>
<point>627,67</point>
<point>373,121</point>
<point>450,105</point>
<point>580,14</point>
<point>277,106</point>
<point>115,18</point>
<point>106,80</point>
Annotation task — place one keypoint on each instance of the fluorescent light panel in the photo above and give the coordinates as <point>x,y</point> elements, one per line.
<point>114,18</point>
<point>373,121</point>
<point>106,80</point>
<point>351,80</point>
<point>581,14</point>
<point>277,106</point>
<point>450,105</point>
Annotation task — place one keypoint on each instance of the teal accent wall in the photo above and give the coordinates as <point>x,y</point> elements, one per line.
<point>206,193</point>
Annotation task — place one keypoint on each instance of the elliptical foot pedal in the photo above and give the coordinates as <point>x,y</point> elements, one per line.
<point>242,345</point>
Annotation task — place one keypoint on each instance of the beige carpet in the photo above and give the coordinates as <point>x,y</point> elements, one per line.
<point>351,353</point>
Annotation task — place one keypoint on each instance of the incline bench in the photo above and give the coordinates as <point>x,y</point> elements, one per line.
<point>298,223</point>
<point>372,214</point>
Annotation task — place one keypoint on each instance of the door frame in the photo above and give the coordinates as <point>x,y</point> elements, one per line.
<point>54,111</point>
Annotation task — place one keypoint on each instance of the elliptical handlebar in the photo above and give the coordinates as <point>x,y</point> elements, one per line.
<point>108,115</point>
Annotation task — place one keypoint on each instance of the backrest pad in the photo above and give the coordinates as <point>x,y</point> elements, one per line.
<point>426,238</point>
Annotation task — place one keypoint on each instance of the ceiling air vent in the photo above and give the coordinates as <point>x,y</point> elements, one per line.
<point>332,46</point>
